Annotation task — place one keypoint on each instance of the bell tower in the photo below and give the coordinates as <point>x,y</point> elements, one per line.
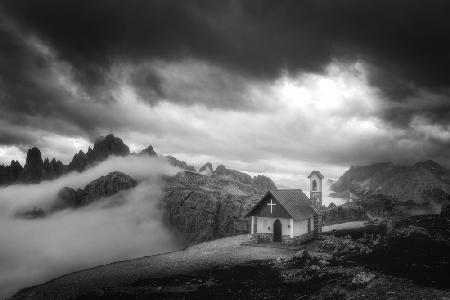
<point>315,190</point>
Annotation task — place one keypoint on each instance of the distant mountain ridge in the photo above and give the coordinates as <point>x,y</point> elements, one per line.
<point>421,183</point>
<point>199,206</point>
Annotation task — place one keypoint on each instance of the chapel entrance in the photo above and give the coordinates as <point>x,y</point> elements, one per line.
<point>277,231</point>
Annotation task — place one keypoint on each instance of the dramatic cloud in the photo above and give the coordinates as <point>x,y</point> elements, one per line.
<point>253,84</point>
<point>33,251</point>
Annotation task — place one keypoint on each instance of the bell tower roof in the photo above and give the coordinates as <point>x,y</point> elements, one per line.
<point>316,173</point>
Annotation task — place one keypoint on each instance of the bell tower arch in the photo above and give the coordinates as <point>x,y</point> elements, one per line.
<point>315,190</point>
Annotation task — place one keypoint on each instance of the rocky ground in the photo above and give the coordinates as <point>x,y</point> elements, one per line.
<point>410,262</point>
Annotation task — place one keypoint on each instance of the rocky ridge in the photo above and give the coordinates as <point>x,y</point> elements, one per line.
<point>36,170</point>
<point>101,187</point>
<point>422,183</point>
<point>67,197</point>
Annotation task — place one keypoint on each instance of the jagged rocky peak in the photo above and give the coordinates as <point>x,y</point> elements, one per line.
<point>103,147</point>
<point>206,169</point>
<point>34,167</point>
<point>180,164</point>
<point>53,169</point>
<point>108,145</point>
<point>148,151</point>
<point>79,162</point>
<point>239,176</point>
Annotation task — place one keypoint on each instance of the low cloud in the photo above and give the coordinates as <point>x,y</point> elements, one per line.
<point>33,251</point>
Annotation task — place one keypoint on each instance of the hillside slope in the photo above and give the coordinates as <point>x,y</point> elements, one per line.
<point>201,207</point>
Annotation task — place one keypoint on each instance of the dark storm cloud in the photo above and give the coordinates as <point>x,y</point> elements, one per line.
<point>210,52</point>
<point>407,41</point>
<point>29,95</point>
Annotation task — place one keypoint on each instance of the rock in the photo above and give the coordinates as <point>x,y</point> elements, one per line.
<point>263,183</point>
<point>206,169</point>
<point>106,146</point>
<point>103,148</point>
<point>67,198</point>
<point>237,175</point>
<point>149,151</point>
<point>180,164</point>
<point>202,207</point>
<point>101,187</point>
<point>302,254</point>
<point>33,170</point>
<point>107,186</point>
<point>301,258</point>
<point>79,162</point>
<point>362,278</point>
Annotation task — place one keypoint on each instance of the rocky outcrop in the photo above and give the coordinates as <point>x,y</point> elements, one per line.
<point>263,184</point>
<point>68,197</point>
<point>206,169</point>
<point>203,207</point>
<point>106,186</point>
<point>149,151</point>
<point>237,175</point>
<point>180,164</point>
<point>421,183</point>
<point>33,171</point>
<point>106,146</point>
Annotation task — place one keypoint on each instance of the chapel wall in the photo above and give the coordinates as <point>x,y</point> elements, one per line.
<point>263,223</point>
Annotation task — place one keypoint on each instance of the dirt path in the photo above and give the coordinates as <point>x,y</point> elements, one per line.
<point>222,252</point>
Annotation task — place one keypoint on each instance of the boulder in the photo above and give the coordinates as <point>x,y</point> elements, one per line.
<point>362,278</point>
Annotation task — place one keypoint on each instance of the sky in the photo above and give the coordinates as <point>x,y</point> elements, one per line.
<point>266,87</point>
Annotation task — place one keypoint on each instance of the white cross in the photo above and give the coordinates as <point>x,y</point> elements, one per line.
<point>271,204</point>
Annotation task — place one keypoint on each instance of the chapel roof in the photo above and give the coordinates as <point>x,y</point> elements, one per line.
<point>294,201</point>
<point>317,173</point>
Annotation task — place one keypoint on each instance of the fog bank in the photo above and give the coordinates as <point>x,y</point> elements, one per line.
<point>34,251</point>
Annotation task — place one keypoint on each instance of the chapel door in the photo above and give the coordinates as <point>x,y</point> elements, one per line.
<point>277,231</point>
